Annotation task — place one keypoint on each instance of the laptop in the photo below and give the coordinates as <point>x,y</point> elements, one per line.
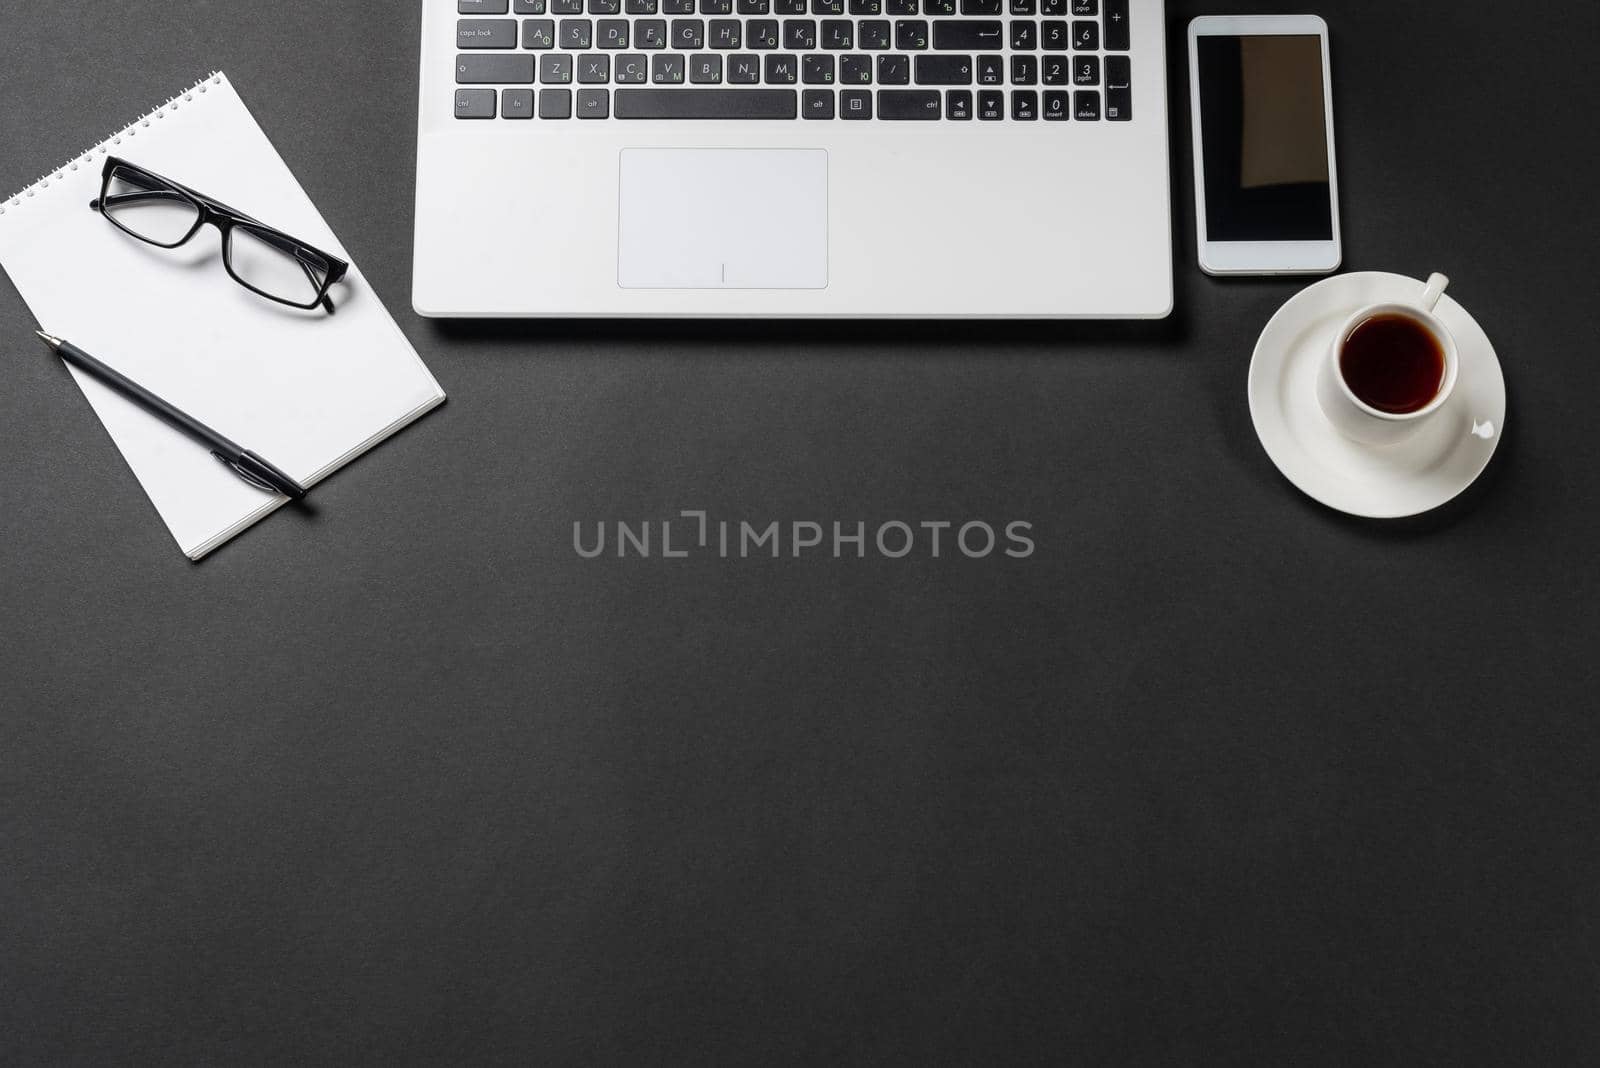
<point>793,158</point>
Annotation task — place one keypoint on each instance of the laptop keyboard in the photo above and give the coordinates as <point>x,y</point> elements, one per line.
<point>885,60</point>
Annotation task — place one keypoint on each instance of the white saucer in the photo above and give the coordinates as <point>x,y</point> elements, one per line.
<point>1442,459</point>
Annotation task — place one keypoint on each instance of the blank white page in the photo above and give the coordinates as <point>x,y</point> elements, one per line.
<point>308,391</point>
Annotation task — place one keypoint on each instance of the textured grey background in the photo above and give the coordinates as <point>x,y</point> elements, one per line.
<point>1216,776</point>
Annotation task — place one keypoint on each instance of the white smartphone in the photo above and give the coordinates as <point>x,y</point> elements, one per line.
<point>1266,186</point>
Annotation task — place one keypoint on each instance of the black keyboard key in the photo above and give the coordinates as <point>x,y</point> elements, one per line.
<point>991,105</point>
<point>827,7</point>
<point>866,7</point>
<point>875,34</point>
<point>1119,35</point>
<point>1119,89</point>
<point>516,103</point>
<point>677,7</point>
<point>1054,36</point>
<point>943,70</point>
<point>555,68</point>
<point>744,69</point>
<point>980,7</point>
<point>706,69</point>
<point>475,103</point>
<point>816,70</point>
<point>527,7</point>
<point>855,70</point>
<point>789,7</point>
<point>940,7</point>
<point>781,69</point>
<point>1086,70</point>
<point>958,105</point>
<point>494,70</point>
<point>894,70</point>
<point>575,33</point>
<point>900,7</point>
<point>650,33</point>
<point>799,34</point>
<point>688,34</point>
<point>1088,8</point>
<point>666,69</point>
<point>555,104</point>
<point>763,33</point>
<point>1024,7</point>
<point>486,33</point>
<point>1052,7</point>
<point>911,35</point>
<point>991,70</point>
<point>912,105</point>
<point>594,69</point>
<point>1086,105</point>
<point>726,33</point>
<point>481,7</point>
<point>632,69</point>
<point>1024,105</point>
<point>639,7</point>
<point>1057,105</point>
<point>855,104</point>
<point>816,103</point>
<point>754,7</point>
<point>1024,35</point>
<point>1086,36</point>
<point>611,33</point>
<point>838,34</point>
<point>705,103</point>
<point>716,7</point>
<point>1055,70</point>
<point>594,103</point>
<point>538,33</point>
<point>968,35</point>
<point>1024,70</point>
<point>566,7</point>
<point>1119,105</point>
<point>605,7</point>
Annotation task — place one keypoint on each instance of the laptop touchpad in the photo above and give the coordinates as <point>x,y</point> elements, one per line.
<point>723,218</point>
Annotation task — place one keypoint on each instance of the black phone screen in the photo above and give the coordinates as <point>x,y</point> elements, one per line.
<point>1263,126</point>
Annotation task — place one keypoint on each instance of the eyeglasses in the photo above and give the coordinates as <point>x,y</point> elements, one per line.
<point>262,258</point>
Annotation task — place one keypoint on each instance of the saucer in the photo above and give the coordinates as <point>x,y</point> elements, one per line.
<point>1446,454</point>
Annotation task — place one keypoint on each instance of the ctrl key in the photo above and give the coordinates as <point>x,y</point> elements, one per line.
<point>475,103</point>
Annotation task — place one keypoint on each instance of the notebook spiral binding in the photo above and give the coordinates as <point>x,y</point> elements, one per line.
<point>21,197</point>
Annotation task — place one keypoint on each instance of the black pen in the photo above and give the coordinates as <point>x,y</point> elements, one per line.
<point>246,464</point>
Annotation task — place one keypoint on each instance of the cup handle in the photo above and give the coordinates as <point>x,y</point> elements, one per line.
<point>1437,284</point>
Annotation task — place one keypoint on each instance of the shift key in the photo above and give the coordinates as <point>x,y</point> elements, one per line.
<point>495,70</point>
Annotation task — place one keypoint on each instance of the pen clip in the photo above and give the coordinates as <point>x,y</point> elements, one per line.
<point>249,476</point>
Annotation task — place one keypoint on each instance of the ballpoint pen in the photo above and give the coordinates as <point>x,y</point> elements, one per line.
<point>244,463</point>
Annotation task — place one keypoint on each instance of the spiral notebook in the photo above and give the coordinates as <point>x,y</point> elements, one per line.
<point>308,391</point>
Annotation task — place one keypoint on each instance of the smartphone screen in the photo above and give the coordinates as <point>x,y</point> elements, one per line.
<point>1264,130</point>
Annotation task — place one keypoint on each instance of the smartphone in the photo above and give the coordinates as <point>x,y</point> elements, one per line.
<point>1265,182</point>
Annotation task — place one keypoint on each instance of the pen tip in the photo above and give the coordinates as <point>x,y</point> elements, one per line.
<point>53,342</point>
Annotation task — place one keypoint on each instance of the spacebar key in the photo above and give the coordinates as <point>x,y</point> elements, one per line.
<point>706,104</point>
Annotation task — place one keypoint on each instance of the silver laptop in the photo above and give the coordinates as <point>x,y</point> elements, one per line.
<point>793,158</point>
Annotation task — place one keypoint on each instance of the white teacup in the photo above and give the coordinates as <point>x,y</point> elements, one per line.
<point>1352,416</point>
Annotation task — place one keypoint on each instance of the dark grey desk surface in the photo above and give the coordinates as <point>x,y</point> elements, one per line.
<point>1217,775</point>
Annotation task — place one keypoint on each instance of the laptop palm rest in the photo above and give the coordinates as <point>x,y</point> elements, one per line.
<point>722,218</point>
